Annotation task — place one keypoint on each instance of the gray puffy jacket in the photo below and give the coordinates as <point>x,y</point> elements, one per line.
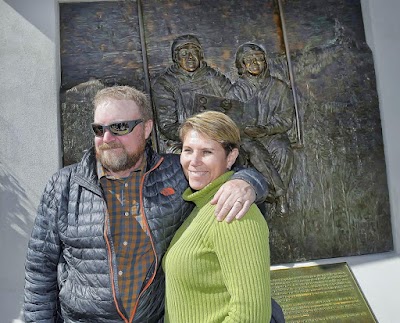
<point>71,273</point>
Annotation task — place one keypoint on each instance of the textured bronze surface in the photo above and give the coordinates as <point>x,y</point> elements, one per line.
<point>324,293</point>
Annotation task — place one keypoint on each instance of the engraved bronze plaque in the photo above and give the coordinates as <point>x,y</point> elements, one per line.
<point>203,102</point>
<point>233,108</point>
<point>324,293</point>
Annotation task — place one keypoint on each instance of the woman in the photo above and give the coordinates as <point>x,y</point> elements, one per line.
<point>215,271</point>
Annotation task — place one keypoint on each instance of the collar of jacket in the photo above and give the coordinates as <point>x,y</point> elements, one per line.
<point>86,174</point>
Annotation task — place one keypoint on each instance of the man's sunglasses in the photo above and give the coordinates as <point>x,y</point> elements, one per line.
<point>117,129</point>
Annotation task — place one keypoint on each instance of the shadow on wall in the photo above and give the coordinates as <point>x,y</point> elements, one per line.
<point>16,209</point>
<point>35,12</point>
<point>16,216</point>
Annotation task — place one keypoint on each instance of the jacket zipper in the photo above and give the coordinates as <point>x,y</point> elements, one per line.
<point>151,240</point>
<point>110,265</point>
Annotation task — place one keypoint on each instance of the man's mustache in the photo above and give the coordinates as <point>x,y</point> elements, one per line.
<point>111,145</point>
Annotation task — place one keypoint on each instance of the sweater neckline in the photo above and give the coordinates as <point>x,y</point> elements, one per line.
<point>203,196</point>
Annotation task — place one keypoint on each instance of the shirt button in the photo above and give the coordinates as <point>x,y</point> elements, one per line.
<point>125,243</point>
<point>120,273</point>
<point>126,213</point>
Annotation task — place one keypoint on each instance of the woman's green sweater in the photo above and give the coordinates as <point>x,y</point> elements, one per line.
<point>218,271</point>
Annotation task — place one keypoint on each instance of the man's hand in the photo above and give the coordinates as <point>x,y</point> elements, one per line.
<point>233,200</point>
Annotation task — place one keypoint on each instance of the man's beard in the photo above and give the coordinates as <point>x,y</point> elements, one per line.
<point>118,162</point>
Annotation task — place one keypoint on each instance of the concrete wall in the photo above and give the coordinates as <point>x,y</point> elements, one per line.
<point>31,150</point>
<point>29,140</point>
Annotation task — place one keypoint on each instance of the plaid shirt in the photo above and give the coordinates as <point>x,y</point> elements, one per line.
<point>131,242</point>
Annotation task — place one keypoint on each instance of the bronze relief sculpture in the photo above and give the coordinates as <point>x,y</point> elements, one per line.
<point>269,100</point>
<point>337,191</point>
<point>174,90</point>
<point>260,104</point>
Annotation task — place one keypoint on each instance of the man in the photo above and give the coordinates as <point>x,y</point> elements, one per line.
<point>104,224</point>
<point>270,101</point>
<point>174,90</point>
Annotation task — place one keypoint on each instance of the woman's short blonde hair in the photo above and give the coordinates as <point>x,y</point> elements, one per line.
<point>215,125</point>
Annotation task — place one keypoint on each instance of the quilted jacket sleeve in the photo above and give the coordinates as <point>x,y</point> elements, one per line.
<point>41,294</point>
<point>255,179</point>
